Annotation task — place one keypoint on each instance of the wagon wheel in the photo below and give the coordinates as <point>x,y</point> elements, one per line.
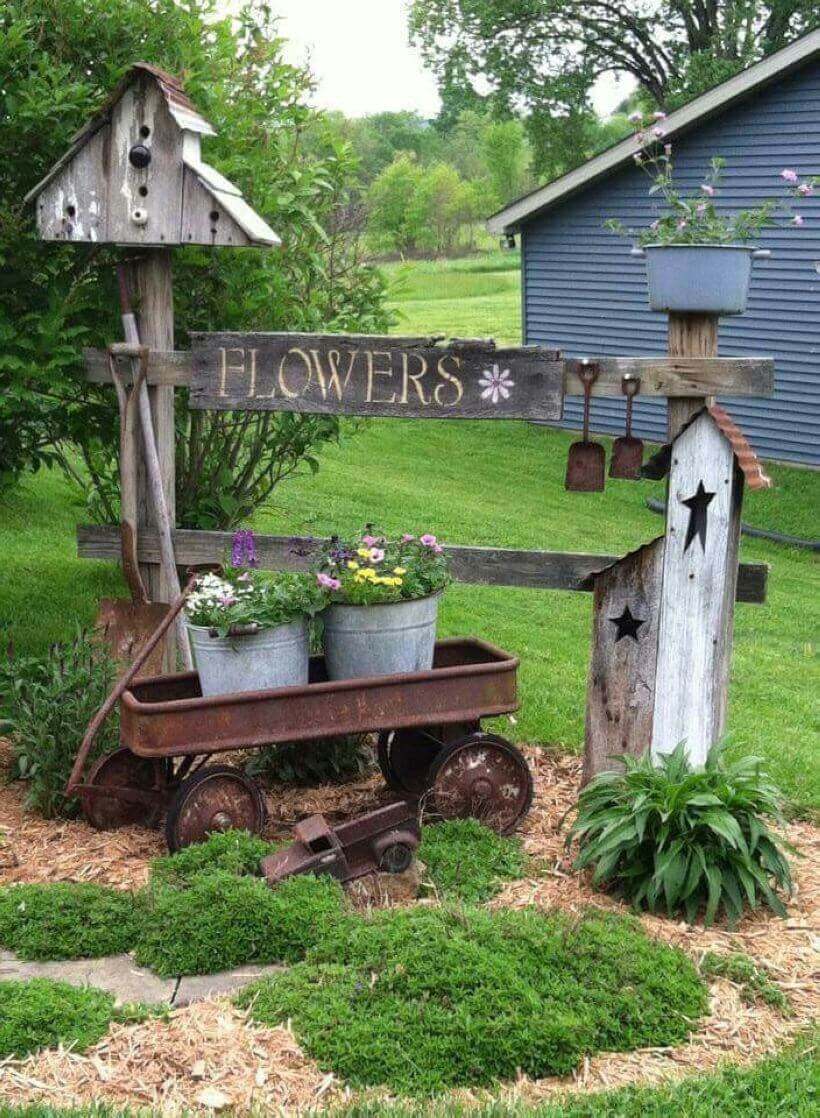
<point>405,756</point>
<point>396,858</point>
<point>124,770</point>
<point>217,798</point>
<point>484,776</point>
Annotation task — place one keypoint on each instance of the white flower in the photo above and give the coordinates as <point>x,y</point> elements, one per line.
<point>495,384</point>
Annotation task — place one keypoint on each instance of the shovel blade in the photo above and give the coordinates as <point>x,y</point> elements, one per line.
<point>125,627</point>
<point>627,458</point>
<point>586,468</point>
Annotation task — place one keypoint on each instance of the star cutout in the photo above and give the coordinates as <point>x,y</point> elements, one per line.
<point>627,625</point>
<point>697,506</point>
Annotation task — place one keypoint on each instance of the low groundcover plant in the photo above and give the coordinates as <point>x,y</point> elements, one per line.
<point>697,219</point>
<point>668,836</point>
<point>375,569</point>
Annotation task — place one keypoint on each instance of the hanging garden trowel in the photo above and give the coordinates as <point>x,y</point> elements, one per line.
<point>627,452</point>
<point>586,463</point>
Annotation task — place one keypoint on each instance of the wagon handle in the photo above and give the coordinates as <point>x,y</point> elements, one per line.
<point>122,685</point>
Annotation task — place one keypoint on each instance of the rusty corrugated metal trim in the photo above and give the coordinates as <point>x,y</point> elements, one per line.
<point>658,465</point>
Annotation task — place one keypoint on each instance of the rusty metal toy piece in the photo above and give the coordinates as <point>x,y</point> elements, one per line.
<point>384,839</point>
<point>216,798</point>
<point>123,790</point>
<point>483,776</point>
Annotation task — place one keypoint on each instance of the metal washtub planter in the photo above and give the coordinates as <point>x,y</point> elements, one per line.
<point>167,716</point>
<point>699,279</point>
<point>383,639</point>
<point>253,661</point>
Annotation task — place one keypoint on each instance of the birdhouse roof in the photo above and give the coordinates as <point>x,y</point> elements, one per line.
<point>180,106</point>
<point>658,466</point>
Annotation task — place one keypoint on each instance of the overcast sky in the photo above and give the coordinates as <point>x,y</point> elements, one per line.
<point>362,62</point>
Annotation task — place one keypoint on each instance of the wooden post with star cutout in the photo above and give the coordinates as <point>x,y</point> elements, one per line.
<point>663,615</point>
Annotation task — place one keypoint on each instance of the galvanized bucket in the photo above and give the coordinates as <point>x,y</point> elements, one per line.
<point>699,279</point>
<point>260,661</point>
<point>397,637</point>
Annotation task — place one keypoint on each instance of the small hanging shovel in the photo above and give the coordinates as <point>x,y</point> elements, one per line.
<point>627,452</point>
<point>586,462</point>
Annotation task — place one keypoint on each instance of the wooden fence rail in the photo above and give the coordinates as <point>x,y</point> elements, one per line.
<point>489,566</point>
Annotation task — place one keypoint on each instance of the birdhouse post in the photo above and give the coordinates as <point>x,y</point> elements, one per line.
<point>134,176</point>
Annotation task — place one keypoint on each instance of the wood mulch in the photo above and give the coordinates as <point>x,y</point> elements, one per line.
<point>208,1056</point>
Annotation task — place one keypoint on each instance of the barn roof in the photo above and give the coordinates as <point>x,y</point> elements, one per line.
<point>714,101</point>
<point>658,466</point>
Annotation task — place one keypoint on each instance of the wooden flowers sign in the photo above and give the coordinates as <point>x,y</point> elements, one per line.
<point>348,374</point>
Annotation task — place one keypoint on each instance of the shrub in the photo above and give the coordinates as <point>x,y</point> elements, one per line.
<point>424,999</point>
<point>237,853</point>
<point>669,836</point>
<point>49,702</point>
<point>312,763</point>
<point>41,1013</point>
<point>754,982</point>
<point>467,860</point>
<point>222,921</point>
<point>66,920</point>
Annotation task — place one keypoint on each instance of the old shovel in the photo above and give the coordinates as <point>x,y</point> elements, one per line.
<point>586,462</point>
<point>125,624</point>
<point>627,452</point>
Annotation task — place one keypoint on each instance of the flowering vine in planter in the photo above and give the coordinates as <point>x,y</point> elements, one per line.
<point>695,219</point>
<point>375,569</point>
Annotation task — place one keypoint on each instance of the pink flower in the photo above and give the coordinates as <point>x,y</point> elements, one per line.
<point>407,538</point>
<point>700,209</point>
<point>640,137</point>
<point>805,189</point>
<point>655,226</point>
<point>376,554</point>
<point>798,220</point>
<point>658,133</point>
<point>438,549</point>
<point>659,116</point>
<point>227,599</point>
<point>327,582</point>
<point>788,175</point>
<point>707,188</point>
<point>428,540</point>
<point>636,118</point>
<point>682,223</point>
<point>371,541</point>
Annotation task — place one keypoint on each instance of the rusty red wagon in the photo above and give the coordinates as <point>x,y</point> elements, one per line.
<point>430,744</point>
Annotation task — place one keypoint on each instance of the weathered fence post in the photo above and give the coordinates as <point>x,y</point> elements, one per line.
<point>690,335</point>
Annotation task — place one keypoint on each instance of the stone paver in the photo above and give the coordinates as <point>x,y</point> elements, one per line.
<point>195,987</point>
<point>118,974</point>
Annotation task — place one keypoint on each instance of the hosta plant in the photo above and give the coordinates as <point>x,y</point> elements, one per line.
<point>667,836</point>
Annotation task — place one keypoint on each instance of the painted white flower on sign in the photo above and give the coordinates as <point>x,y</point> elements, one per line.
<point>495,384</point>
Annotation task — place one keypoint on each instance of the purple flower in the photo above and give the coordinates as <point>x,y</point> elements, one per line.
<point>636,118</point>
<point>376,554</point>
<point>659,116</point>
<point>788,175</point>
<point>428,540</point>
<point>371,541</point>
<point>243,550</point>
<point>707,188</point>
<point>805,189</point>
<point>328,582</point>
<point>407,538</point>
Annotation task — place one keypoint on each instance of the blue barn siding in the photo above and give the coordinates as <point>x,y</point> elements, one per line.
<point>585,294</point>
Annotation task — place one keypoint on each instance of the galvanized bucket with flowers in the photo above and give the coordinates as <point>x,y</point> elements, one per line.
<point>384,597</point>
<point>249,630</point>
<point>698,257</point>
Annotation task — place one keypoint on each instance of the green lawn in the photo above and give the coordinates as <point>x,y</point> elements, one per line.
<point>481,483</point>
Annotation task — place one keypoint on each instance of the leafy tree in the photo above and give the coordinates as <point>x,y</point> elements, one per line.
<point>59,61</point>
<point>442,204</point>
<point>390,204</point>
<point>507,156</point>
<point>542,55</point>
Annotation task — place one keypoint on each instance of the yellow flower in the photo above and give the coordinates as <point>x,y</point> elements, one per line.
<point>369,574</point>
<point>352,565</point>
<point>399,571</point>
<point>363,553</point>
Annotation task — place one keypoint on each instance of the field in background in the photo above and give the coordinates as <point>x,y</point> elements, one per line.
<point>481,483</point>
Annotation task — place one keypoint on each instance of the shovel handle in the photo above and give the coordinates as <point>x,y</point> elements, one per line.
<point>630,386</point>
<point>587,374</point>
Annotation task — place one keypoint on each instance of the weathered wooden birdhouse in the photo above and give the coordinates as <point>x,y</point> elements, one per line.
<point>663,615</point>
<point>134,175</point>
